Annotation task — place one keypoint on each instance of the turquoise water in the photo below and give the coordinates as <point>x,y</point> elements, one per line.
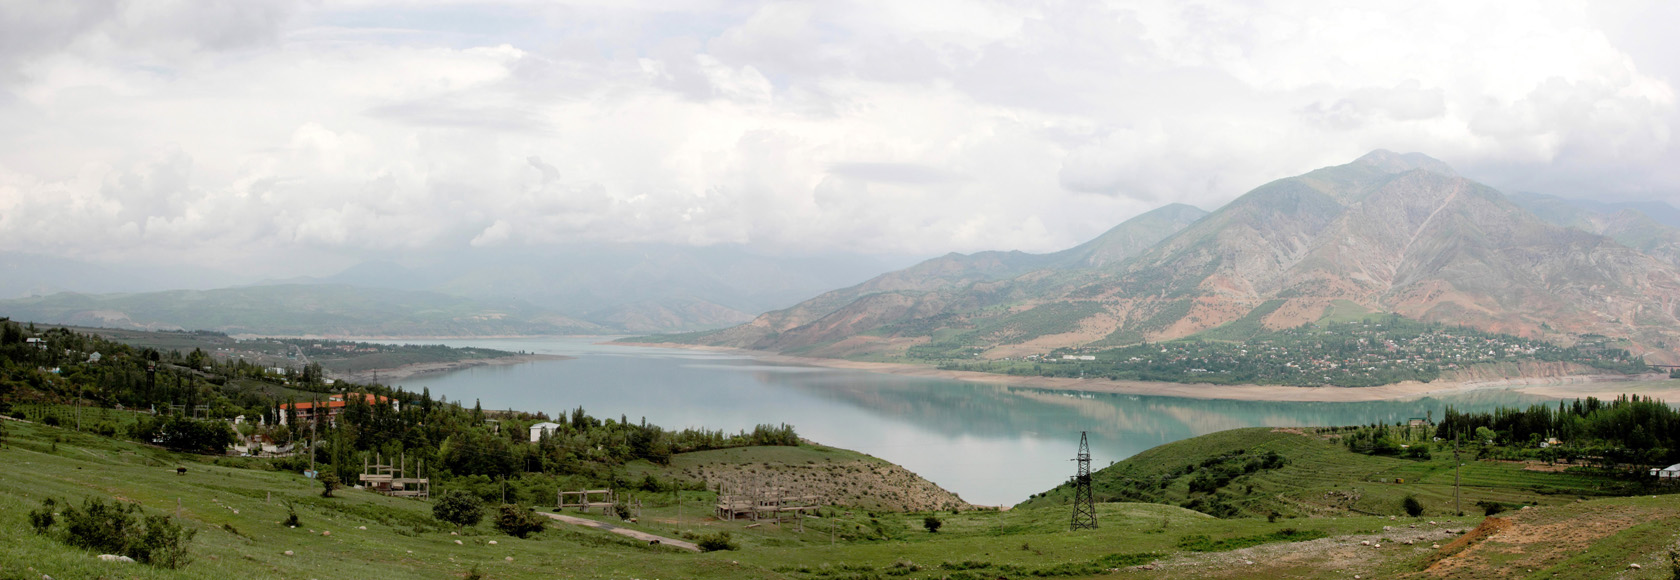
<point>991,444</point>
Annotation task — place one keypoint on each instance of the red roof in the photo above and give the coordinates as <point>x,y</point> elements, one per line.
<point>335,402</point>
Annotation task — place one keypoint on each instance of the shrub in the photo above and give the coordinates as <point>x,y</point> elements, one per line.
<point>1412,506</point>
<point>518,521</point>
<point>622,509</point>
<point>459,508</point>
<point>42,518</point>
<point>1490,507</point>
<point>329,482</point>
<point>120,528</point>
<point>291,515</point>
<point>165,542</point>
<point>716,541</point>
<point>932,524</point>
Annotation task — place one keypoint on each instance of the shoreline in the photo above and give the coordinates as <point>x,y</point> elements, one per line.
<point>1560,387</point>
<point>414,369</point>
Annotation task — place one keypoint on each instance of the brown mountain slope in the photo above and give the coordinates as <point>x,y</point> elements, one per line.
<point>1388,232</point>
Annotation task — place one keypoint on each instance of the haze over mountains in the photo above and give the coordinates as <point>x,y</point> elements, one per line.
<point>1389,232</point>
<point>600,289</point>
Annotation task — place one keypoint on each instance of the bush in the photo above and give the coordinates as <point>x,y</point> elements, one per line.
<point>42,518</point>
<point>119,528</point>
<point>291,515</point>
<point>518,521</point>
<point>1412,506</point>
<point>716,541</point>
<point>459,508</point>
<point>329,482</point>
<point>932,524</point>
<point>1490,507</point>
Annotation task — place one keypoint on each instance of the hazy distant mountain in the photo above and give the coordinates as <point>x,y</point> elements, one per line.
<point>24,274</point>
<point>299,310</point>
<point>1387,232</point>
<point>637,288</point>
<point>1650,227</point>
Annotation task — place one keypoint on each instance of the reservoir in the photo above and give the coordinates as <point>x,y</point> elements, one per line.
<point>991,444</point>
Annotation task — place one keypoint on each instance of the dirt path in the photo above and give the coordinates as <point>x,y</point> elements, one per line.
<point>643,536</point>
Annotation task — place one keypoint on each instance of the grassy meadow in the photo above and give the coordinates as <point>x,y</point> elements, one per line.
<point>237,505</point>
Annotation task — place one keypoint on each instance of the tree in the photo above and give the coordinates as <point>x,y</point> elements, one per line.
<point>932,524</point>
<point>1412,506</point>
<point>329,482</point>
<point>518,521</point>
<point>458,507</point>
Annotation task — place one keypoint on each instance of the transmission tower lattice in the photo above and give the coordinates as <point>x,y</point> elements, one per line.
<point>1084,503</point>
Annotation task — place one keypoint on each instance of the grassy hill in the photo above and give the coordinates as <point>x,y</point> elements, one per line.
<point>1318,476</point>
<point>237,506</point>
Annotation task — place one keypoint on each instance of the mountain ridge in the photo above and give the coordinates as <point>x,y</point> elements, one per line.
<point>1387,232</point>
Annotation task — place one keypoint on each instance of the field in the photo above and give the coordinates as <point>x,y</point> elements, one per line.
<point>237,506</point>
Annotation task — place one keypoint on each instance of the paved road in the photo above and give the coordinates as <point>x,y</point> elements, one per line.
<point>643,536</point>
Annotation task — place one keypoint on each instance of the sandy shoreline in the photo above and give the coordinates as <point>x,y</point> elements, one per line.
<point>410,370</point>
<point>1601,386</point>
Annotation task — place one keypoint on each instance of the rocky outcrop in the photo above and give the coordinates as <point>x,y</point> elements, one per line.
<point>860,484</point>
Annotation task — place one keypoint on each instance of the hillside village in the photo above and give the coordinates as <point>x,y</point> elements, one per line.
<point>1367,352</point>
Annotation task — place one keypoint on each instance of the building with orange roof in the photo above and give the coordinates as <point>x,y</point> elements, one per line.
<point>330,409</point>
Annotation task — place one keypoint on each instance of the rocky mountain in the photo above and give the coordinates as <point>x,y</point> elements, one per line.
<point>1388,232</point>
<point>298,310</point>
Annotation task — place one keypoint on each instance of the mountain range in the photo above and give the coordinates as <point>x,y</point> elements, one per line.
<point>1388,232</point>
<point>599,289</point>
<point>330,310</point>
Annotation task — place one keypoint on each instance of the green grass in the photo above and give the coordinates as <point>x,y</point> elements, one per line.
<point>1247,327</point>
<point>1344,311</point>
<point>237,505</point>
<point>1324,478</point>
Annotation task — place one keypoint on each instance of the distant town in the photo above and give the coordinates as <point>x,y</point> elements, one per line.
<point>1345,354</point>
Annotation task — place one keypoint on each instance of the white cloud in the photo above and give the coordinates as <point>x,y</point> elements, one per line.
<point>220,131</point>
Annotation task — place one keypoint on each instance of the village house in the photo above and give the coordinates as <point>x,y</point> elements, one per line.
<point>539,429</point>
<point>329,409</point>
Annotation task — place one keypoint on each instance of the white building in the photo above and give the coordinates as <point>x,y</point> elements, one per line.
<point>538,429</point>
<point>1670,472</point>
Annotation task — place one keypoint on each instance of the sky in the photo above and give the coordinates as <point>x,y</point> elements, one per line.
<point>283,138</point>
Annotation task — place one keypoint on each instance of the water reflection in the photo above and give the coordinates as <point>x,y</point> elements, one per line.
<point>991,444</point>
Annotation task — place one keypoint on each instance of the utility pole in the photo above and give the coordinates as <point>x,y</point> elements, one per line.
<point>1084,503</point>
<point>313,423</point>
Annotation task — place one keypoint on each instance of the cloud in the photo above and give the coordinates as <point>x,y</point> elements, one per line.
<point>218,131</point>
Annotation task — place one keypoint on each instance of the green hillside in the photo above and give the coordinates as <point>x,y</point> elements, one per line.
<point>237,507</point>
<point>1261,471</point>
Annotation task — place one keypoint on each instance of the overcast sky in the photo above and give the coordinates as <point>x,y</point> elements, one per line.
<point>281,138</point>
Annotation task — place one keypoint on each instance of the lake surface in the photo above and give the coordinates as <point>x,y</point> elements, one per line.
<point>991,444</point>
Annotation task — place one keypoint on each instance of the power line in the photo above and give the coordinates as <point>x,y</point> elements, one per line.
<point>1084,502</point>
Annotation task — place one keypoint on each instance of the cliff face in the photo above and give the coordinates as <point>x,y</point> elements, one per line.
<point>1387,232</point>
